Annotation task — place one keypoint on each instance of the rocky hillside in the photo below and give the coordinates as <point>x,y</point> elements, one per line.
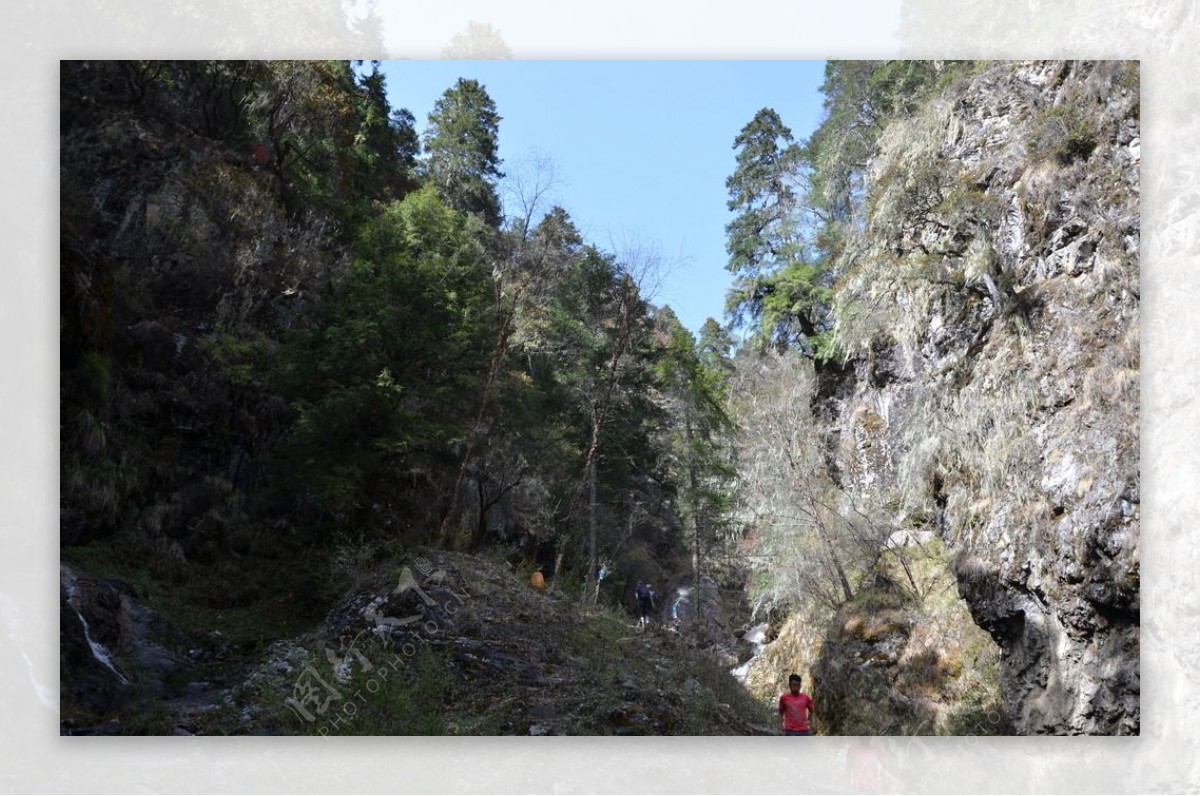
<point>441,643</point>
<point>990,302</point>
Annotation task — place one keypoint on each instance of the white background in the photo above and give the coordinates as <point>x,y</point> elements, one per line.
<point>33,758</point>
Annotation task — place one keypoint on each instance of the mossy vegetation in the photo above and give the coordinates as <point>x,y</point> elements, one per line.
<point>248,602</point>
<point>905,658</point>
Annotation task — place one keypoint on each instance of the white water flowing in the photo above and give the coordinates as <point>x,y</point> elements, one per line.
<point>99,651</point>
<point>757,636</point>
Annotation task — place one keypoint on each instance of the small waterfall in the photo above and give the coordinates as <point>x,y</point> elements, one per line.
<point>757,636</point>
<point>99,651</point>
<point>680,605</point>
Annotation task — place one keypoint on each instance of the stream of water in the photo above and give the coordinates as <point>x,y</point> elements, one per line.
<point>757,636</point>
<point>99,651</point>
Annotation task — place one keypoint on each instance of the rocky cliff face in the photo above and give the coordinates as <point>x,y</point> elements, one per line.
<point>114,652</point>
<point>991,299</point>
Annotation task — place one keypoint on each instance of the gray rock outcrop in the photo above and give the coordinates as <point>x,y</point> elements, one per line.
<point>998,402</point>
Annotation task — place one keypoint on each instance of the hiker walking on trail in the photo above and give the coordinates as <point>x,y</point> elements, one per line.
<point>645,602</point>
<point>795,709</point>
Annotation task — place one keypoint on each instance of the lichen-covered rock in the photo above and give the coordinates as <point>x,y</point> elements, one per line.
<point>997,393</point>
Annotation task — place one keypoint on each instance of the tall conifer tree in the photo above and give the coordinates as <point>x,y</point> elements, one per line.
<point>778,290</point>
<point>462,143</point>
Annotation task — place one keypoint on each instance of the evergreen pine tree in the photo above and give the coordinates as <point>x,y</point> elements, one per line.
<point>462,147</point>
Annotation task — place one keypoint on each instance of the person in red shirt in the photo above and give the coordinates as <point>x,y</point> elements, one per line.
<point>795,709</point>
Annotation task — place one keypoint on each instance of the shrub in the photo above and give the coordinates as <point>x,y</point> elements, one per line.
<point>1063,133</point>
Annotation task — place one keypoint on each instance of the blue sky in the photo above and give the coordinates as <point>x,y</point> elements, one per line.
<point>640,149</point>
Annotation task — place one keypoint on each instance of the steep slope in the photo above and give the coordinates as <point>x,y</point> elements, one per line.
<point>455,644</point>
<point>990,302</point>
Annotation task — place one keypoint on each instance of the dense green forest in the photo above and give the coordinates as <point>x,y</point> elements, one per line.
<point>339,342</point>
<point>301,341</point>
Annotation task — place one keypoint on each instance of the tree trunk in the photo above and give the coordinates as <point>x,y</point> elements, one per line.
<point>697,556</point>
<point>481,517</point>
<point>843,580</point>
<point>484,402</point>
<point>599,414</point>
<point>559,553</point>
<point>593,585</point>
